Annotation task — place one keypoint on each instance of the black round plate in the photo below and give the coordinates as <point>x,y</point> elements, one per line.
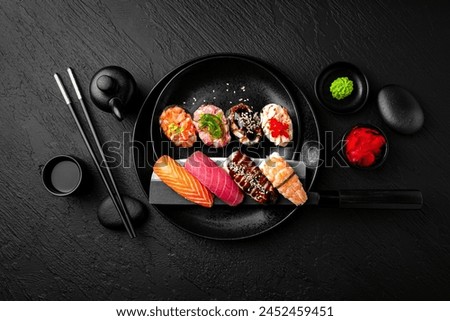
<point>350,104</point>
<point>222,222</point>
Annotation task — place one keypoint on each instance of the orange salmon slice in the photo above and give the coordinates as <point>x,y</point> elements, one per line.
<point>182,182</point>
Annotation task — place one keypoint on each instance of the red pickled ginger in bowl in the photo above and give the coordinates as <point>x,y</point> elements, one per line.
<point>365,146</point>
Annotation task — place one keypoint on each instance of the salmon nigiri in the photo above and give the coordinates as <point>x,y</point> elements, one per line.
<point>283,177</point>
<point>182,182</point>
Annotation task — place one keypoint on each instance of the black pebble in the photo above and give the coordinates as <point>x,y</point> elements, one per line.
<point>400,109</point>
<point>110,218</point>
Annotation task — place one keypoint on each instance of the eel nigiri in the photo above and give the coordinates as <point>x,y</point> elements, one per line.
<point>245,124</point>
<point>178,126</point>
<point>250,179</point>
<point>214,178</point>
<point>182,182</point>
<point>212,126</point>
<point>283,177</point>
<point>276,124</point>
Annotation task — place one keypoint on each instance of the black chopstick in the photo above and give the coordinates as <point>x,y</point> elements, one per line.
<point>123,212</point>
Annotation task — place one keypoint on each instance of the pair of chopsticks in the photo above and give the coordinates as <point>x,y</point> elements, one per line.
<point>118,203</point>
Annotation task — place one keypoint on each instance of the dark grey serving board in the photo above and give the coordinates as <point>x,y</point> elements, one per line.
<point>161,194</point>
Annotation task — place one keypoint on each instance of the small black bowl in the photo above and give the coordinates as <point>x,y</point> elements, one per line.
<point>350,104</point>
<point>380,159</point>
<point>62,175</point>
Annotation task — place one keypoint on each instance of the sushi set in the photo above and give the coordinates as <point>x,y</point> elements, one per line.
<point>260,183</point>
<point>227,179</point>
<point>227,147</point>
<point>218,80</point>
<point>230,189</point>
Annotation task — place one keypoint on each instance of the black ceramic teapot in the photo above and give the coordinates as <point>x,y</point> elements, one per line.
<point>111,89</point>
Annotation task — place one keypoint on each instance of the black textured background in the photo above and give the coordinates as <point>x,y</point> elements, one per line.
<point>54,248</point>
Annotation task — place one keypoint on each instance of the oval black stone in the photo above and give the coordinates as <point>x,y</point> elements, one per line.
<point>109,217</point>
<point>400,109</point>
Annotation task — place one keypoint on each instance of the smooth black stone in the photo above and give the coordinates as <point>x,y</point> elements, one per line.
<point>109,217</point>
<point>400,109</point>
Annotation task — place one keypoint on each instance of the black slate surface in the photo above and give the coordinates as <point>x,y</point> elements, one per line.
<point>54,248</point>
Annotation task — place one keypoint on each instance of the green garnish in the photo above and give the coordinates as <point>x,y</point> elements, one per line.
<point>341,87</point>
<point>212,123</point>
<point>174,129</point>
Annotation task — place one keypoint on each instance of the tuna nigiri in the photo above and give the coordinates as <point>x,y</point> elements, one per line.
<point>283,177</point>
<point>178,126</point>
<point>182,182</point>
<point>215,178</point>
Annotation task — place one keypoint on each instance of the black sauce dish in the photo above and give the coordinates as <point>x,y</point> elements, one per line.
<point>380,159</point>
<point>62,175</point>
<point>350,104</point>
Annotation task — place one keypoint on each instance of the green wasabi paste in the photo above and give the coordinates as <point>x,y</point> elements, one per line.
<point>341,87</point>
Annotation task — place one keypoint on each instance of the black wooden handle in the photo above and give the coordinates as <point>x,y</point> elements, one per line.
<point>372,199</point>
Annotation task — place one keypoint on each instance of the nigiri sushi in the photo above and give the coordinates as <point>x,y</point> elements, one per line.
<point>276,124</point>
<point>250,179</point>
<point>245,124</point>
<point>178,126</point>
<point>212,126</point>
<point>214,178</point>
<point>182,182</point>
<point>283,177</point>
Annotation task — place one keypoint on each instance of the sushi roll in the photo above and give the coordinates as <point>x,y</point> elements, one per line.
<point>283,177</point>
<point>212,126</point>
<point>178,126</point>
<point>245,124</point>
<point>250,179</point>
<point>276,124</point>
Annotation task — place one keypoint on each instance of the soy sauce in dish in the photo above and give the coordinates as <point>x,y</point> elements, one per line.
<point>65,176</point>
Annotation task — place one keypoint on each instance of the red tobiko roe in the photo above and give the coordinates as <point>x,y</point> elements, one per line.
<point>278,128</point>
<point>364,146</point>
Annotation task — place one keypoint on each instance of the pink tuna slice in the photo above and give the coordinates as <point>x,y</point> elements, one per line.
<point>214,178</point>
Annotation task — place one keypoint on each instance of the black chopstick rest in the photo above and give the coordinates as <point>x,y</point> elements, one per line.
<point>107,213</point>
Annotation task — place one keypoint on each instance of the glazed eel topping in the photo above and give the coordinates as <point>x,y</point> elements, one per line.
<point>250,178</point>
<point>245,124</point>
